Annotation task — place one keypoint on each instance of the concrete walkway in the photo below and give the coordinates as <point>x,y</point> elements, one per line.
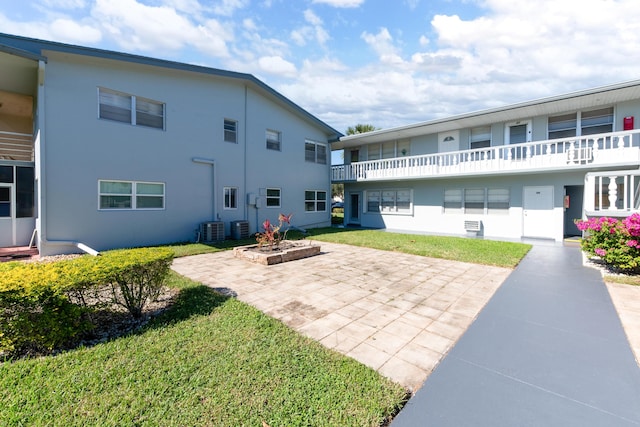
<point>396,313</point>
<point>547,350</point>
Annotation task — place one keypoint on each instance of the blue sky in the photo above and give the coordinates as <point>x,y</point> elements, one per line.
<point>380,62</point>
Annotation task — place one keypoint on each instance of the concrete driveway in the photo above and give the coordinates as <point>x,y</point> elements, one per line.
<point>396,313</point>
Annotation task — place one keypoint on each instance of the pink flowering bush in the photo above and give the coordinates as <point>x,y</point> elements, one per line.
<point>616,242</point>
<point>274,234</point>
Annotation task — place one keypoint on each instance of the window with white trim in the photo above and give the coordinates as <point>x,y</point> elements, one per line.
<point>130,195</point>
<point>273,197</point>
<point>315,152</point>
<point>230,197</point>
<point>586,122</point>
<point>480,137</point>
<point>273,139</point>
<point>315,201</point>
<point>477,201</point>
<point>230,131</point>
<point>389,201</point>
<point>131,109</point>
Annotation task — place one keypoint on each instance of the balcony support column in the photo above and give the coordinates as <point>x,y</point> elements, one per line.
<point>613,193</point>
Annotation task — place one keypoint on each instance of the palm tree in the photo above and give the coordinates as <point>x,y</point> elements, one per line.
<point>360,128</point>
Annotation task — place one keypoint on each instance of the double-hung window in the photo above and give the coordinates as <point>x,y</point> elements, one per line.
<point>230,131</point>
<point>130,195</point>
<point>273,197</point>
<point>125,108</point>
<point>315,201</point>
<point>273,139</point>
<point>480,137</point>
<point>230,198</point>
<point>315,152</point>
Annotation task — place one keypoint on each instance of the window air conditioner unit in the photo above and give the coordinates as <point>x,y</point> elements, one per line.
<point>212,231</point>
<point>239,230</point>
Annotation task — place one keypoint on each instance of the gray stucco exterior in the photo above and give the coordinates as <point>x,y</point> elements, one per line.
<point>76,149</point>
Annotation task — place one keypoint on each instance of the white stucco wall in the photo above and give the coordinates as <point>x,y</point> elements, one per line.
<point>428,214</point>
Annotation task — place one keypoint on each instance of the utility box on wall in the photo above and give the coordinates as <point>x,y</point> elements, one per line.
<point>627,123</point>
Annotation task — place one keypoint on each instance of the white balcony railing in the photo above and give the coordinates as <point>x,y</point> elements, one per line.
<point>16,146</point>
<point>612,193</point>
<point>607,149</point>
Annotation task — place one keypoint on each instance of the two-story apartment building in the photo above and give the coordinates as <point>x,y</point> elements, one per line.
<point>521,171</point>
<point>100,149</point>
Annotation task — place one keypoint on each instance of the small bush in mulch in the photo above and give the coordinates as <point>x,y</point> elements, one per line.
<point>52,305</point>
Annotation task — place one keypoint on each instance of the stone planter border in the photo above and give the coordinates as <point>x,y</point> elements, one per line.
<point>294,251</point>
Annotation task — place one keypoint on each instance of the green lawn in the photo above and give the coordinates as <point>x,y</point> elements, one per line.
<point>488,252</point>
<point>215,361</point>
<point>210,361</point>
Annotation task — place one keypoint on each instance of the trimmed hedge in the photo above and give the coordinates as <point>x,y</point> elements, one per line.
<point>36,312</point>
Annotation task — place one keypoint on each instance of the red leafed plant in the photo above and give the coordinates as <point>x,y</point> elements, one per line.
<point>274,234</point>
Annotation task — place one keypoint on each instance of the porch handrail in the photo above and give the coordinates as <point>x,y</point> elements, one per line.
<point>561,152</point>
<point>611,193</point>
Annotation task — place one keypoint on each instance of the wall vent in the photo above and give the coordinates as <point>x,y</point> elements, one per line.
<point>472,225</point>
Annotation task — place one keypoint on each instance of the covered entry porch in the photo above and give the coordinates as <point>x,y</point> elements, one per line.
<point>18,130</point>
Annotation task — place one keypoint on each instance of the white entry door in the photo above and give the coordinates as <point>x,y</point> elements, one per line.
<point>537,213</point>
<point>7,216</point>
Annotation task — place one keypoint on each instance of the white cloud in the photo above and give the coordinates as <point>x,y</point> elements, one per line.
<point>138,27</point>
<point>302,35</point>
<point>514,51</point>
<point>382,44</point>
<point>64,4</point>
<point>277,65</point>
<point>228,7</point>
<point>341,3</point>
<point>61,29</point>
<point>312,18</point>
<point>73,32</point>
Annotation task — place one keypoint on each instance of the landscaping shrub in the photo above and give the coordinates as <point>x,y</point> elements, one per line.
<point>137,276</point>
<point>616,242</point>
<point>42,304</point>
<point>35,314</point>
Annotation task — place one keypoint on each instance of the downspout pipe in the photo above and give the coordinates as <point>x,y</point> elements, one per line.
<point>40,168</point>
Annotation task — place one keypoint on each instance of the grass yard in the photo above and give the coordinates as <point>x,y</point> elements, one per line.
<point>215,361</point>
<point>478,251</point>
<point>209,361</point>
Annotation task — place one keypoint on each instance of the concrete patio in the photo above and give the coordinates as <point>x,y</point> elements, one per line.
<point>396,313</point>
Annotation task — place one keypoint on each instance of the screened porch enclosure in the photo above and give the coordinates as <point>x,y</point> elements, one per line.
<point>17,175</point>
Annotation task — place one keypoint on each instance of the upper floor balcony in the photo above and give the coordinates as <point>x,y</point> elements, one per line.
<point>614,149</point>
